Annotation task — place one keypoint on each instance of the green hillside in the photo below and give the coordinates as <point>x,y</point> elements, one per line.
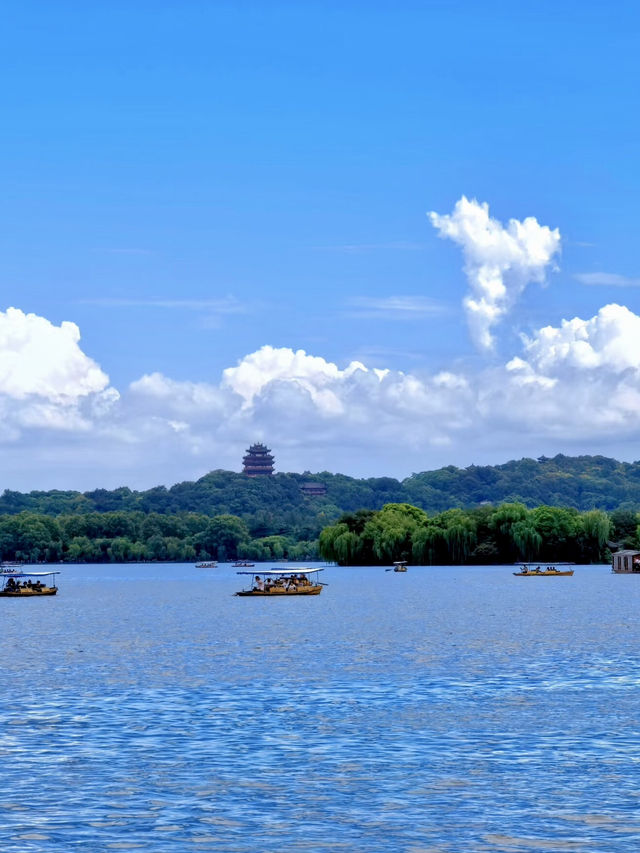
<point>582,482</point>
<point>227,515</point>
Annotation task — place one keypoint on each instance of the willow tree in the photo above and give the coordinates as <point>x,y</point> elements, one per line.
<point>392,529</point>
<point>339,544</point>
<point>429,545</point>
<point>511,530</point>
<point>596,529</point>
<point>526,539</point>
<point>460,533</point>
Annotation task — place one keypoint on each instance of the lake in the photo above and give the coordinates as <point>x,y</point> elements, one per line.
<point>447,709</point>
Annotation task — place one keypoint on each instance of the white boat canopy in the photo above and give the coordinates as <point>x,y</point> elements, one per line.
<point>32,574</point>
<point>280,572</point>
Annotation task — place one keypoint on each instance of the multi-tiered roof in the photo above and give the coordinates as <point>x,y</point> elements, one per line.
<point>258,462</point>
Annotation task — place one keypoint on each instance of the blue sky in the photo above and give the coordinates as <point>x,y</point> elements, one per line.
<point>190,182</point>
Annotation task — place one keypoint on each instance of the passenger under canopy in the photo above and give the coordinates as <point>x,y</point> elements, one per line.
<point>279,582</point>
<point>15,585</point>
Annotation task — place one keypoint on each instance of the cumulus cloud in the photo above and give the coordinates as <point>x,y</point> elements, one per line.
<point>38,358</point>
<point>571,387</point>
<point>499,261</point>
<point>313,375</point>
<point>46,381</point>
<point>577,382</point>
<point>609,341</point>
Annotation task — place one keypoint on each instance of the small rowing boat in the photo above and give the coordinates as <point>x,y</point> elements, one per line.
<point>548,572</point>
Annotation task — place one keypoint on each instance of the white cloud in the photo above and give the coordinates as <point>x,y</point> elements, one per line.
<point>395,307</point>
<point>610,340</point>
<point>182,396</point>
<point>47,383</point>
<point>574,387</point>
<point>608,279</point>
<point>499,261</point>
<point>38,358</point>
<point>312,374</point>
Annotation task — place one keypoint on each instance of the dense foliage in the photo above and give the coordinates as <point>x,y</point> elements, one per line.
<point>120,537</point>
<point>275,505</point>
<point>486,534</point>
<point>271,517</point>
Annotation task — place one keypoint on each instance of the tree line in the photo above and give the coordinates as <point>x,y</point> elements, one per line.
<point>488,534</point>
<point>507,533</point>
<point>120,537</point>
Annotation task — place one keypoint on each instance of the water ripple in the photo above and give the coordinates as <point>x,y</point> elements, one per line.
<point>449,710</point>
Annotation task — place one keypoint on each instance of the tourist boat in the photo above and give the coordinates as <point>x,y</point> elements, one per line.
<point>21,585</point>
<point>548,572</point>
<point>400,566</point>
<point>212,565</point>
<point>282,582</point>
<point>243,564</point>
<point>10,567</point>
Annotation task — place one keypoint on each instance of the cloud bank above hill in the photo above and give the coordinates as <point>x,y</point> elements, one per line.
<point>499,261</point>
<point>575,385</point>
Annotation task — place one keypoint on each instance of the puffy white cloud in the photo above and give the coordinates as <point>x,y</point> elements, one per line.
<point>574,387</point>
<point>39,358</point>
<point>499,261</point>
<point>312,374</point>
<point>609,340</point>
<point>46,380</point>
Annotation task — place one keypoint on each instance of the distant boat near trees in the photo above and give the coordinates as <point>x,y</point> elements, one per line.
<point>548,572</point>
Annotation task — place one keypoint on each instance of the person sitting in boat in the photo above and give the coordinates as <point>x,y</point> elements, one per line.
<point>259,583</point>
<point>291,585</point>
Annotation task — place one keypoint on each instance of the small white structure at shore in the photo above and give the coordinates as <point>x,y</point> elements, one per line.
<point>626,562</point>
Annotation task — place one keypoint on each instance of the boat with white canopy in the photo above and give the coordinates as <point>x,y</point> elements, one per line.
<point>22,584</point>
<point>281,582</point>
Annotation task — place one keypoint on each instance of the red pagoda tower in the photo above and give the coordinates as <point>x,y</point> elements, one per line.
<point>258,462</point>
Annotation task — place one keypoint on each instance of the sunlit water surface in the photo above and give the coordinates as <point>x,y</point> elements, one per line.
<point>447,709</point>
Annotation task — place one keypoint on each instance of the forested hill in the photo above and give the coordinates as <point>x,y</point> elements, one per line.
<point>583,482</point>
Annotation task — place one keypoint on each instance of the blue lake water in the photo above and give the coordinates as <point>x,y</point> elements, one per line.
<point>443,710</point>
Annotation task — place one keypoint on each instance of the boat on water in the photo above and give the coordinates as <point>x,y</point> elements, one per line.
<point>22,585</point>
<point>10,567</point>
<point>400,566</point>
<point>527,571</point>
<point>212,565</point>
<point>282,582</point>
<point>243,564</point>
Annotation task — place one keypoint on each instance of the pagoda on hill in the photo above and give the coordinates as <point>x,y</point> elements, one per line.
<point>258,462</point>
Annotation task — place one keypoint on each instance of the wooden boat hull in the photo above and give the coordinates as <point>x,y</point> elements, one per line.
<point>28,593</point>
<point>568,573</point>
<point>280,593</point>
<point>400,570</point>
